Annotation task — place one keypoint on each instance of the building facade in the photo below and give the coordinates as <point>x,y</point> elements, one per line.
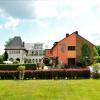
<point>24,52</point>
<point>69,49</point>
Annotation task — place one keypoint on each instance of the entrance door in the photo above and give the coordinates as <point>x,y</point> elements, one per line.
<point>71,61</point>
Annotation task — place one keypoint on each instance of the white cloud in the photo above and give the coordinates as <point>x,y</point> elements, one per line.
<point>11,23</point>
<point>44,9</point>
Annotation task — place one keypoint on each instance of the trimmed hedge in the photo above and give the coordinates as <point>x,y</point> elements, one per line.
<point>8,75</point>
<point>15,66</point>
<point>49,74</point>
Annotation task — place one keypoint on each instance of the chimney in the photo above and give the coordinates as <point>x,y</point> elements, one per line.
<point>55,43</point>
<point>76,32</point>
<point>67,34</point>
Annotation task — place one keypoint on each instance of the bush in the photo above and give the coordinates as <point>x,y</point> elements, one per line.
<point>8,66</point>
<point>15,66</point>
<point>96,73</point>
<point>30,66</point>
<point>48,74</point>
<point>59,74</point>
<point>8,75</point>
<point>97,59</point>
<point>21,70</point>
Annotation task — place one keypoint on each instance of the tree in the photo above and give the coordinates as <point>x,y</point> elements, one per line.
<point>98,49</point>
<point>5,56</point>
<point>86,51</point>
<point>96,53</point>
<point>1,59</point>
<point>84,59</point>
<point>96,68</point>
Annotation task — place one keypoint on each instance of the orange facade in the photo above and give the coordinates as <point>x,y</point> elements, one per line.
<point>65,49</point>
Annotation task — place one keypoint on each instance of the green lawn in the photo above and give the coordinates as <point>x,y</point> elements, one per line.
<point>50,89</point>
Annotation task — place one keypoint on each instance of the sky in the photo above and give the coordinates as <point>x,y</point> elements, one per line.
<point>48,21</point>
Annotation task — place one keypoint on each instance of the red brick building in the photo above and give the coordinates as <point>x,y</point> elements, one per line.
<point>69,48</point>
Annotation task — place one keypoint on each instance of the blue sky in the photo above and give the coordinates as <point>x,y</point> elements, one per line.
<point>48,21</point>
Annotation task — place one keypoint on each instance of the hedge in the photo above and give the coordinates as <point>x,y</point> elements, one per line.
<point>15,66</point>
<point>49,74</point>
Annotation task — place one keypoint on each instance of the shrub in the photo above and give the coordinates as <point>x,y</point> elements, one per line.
<point>21,70</point>
<point>30,66</point>
<point>59,74</point>
<point>96,68</point>
<point>48,74</point>
<point>97,59</point>
<point>15,66</point>
<point>9,66</point>
<point>8,75</point>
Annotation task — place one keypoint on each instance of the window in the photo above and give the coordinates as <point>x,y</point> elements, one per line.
<point>71,47</point>
<point>63,47</point>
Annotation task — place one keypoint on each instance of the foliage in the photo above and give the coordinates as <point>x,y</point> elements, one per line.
<point>80,61</point>
<point>5,56</point>
<point>8,74</point>
<point>15,66</point>
<point>86,51</point>
<point>46,74</point>
<point>98,49</point>
<point>21,70</point>
<point>15,62</point>
<point>46,61</point>
<point>55,61</point>
<point>84,60</point>
<point>96,68</point>
<point>1,59</point>
<point>95,51</point>
<point>40,65</point>
<point>97,59</point>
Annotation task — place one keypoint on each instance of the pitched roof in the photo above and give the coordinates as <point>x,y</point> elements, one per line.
<point>67,35</point>
<point>15,43</point>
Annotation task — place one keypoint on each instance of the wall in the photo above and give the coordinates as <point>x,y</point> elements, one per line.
<point>63,56</point>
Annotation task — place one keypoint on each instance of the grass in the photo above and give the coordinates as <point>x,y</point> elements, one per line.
<point>50,89</point>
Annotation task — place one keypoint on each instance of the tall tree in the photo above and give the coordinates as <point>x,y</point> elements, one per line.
<point>86,51</point>
<point>5,56</point>
<point>86,55</point>
<point>98,49</point>
<point>1,59</point>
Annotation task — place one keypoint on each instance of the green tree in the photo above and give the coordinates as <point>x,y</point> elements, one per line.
<point>1,59</point>
<point>98,49</point>
<point>84,59</point>
<point>86,51</point>
<point>5,56</point>
<point>86,54</point>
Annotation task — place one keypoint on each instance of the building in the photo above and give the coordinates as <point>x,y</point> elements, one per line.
<point>16,49</point>
<point>35,51</point>
<point>68,49</point>
<point>29,52</point>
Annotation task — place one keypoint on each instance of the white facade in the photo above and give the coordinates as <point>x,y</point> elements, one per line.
<point>35,52</point>
<point>16,54</point>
